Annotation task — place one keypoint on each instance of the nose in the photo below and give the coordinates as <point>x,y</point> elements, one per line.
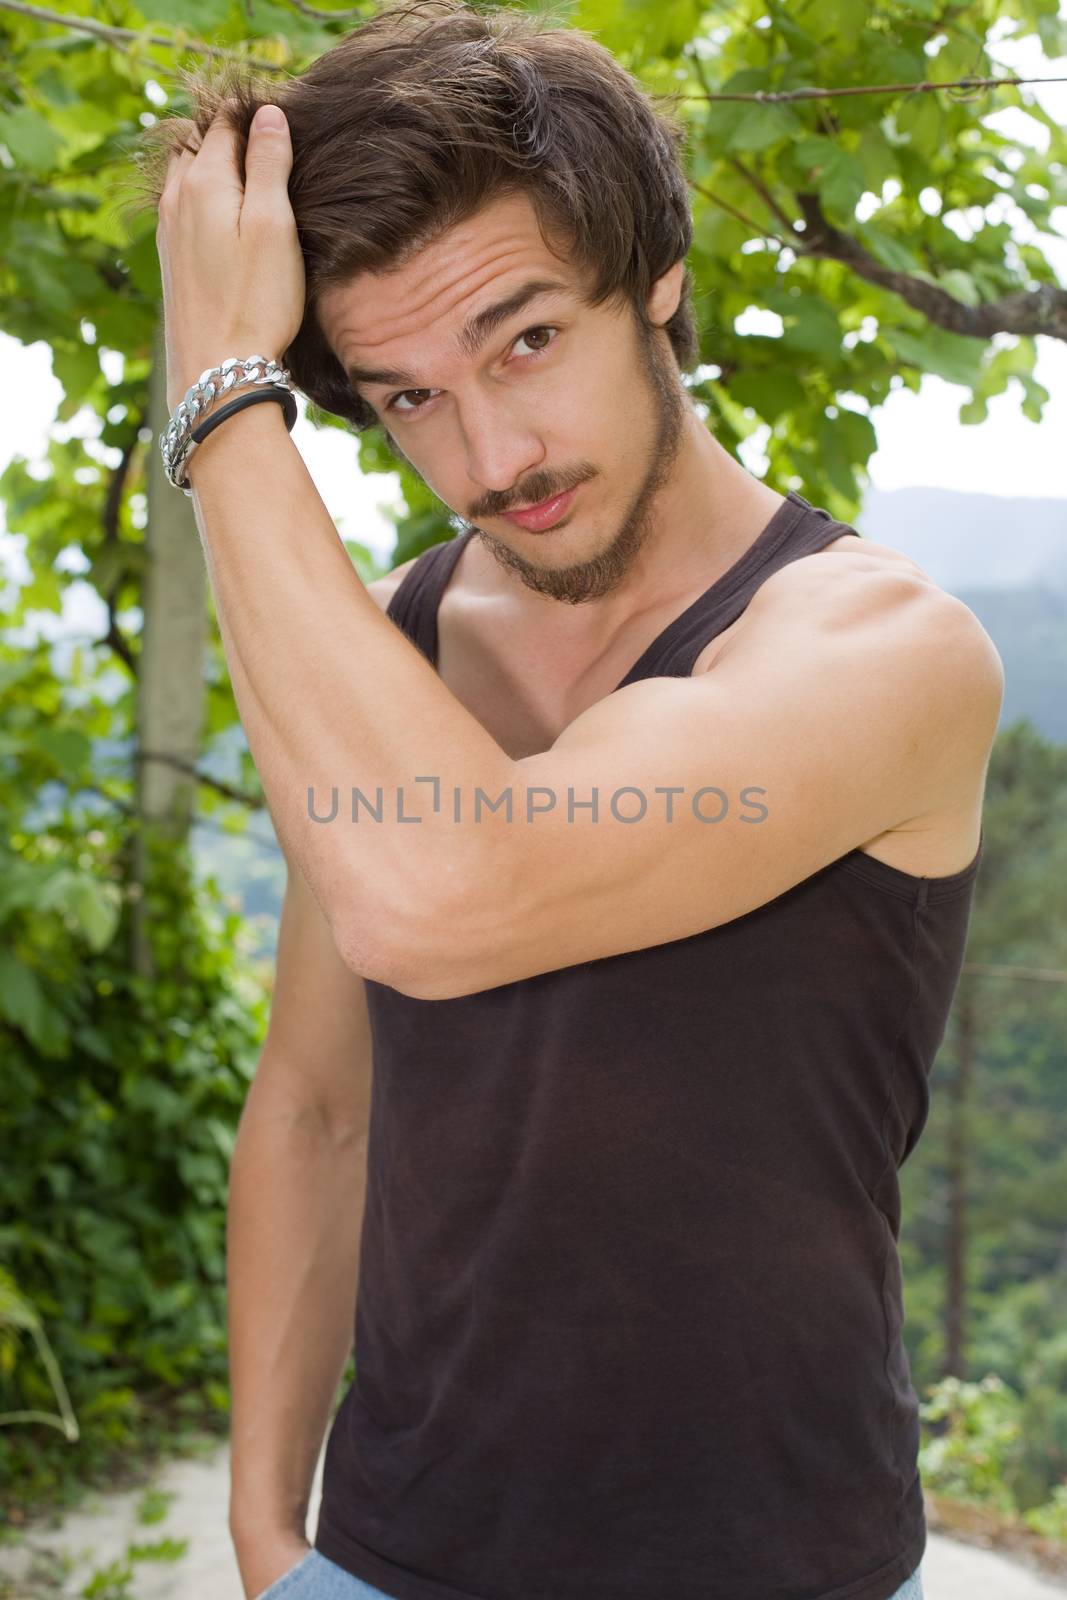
<point>501,446</point>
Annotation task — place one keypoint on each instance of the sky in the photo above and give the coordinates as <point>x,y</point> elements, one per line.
<point>921,440</point>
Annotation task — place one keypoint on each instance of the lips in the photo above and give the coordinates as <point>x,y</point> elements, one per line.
<point>545,514</point>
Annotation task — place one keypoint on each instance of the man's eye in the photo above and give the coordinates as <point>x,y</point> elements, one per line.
<point>392,406</point>
<point>542,328</point>
<point>409,410</point>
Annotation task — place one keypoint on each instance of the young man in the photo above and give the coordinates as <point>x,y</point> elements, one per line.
<point>651,1020</point>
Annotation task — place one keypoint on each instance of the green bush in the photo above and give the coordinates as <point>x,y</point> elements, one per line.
<point>972,1456</point>
<point>119,1103</point>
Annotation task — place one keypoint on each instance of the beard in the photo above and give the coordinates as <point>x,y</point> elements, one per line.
<point>591,579</point>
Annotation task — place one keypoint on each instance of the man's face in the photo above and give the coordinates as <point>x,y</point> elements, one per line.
<point>554,395</point>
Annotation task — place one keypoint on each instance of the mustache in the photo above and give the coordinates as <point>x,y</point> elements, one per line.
<point>533,494</point>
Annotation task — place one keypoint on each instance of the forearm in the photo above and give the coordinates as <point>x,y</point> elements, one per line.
<point>331,694</point>
<point>294,1220</point>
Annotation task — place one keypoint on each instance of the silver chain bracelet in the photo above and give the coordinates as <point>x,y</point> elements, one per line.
<point>176,442</point>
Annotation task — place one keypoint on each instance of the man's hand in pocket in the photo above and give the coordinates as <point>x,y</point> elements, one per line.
<point>268,1560</point>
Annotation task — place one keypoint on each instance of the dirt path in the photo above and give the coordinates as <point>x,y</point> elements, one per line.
<point>100,1533</point>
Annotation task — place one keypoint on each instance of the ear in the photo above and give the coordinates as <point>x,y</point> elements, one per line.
<point>665,294</point>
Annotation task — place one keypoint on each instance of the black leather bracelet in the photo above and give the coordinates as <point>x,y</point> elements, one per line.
<point>270,391</point>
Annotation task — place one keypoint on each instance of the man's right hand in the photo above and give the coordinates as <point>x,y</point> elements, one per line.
<point>267,1559</point>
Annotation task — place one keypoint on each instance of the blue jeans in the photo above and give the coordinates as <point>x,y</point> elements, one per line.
<point>316,1577</point>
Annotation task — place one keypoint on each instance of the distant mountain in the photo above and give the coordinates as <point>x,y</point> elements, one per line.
<point>972,541</point>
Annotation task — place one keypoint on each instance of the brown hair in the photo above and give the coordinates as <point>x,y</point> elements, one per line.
<point>425,112</point>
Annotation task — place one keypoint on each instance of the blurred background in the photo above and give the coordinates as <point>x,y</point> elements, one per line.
<point>880,290</point>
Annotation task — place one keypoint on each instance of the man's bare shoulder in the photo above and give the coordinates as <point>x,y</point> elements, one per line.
<point>846,577</point>
<point>852,554</point>
<point>382,590</point>
<point>883,601</point>
<point>869,604</point>
<point>825,586</point>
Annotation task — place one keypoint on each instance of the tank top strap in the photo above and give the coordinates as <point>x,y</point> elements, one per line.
<point>796,529</point>
<point>414,604</point>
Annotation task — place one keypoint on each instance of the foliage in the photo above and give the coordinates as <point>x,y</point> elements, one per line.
<point>121,1096</point>
<point>974,1444</point>
<point>113,1582</point>
<point>970,1460</point>
<point>922,185</point>
<point>1051,1519</point>
<point>1015,1134</point>
<point>17,1315</point>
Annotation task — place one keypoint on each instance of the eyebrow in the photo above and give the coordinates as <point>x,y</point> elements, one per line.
<point>476,331</point>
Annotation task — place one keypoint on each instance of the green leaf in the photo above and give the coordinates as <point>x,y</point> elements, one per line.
<point>815,152</point>
<point>886,58</point>
<point>162,1550</point>
<point>721,116</point>
<point>961,286</point>
<point>196,16</point>
<point>760,126</point>
<point>67,747</point>
<point>951,356</point>
<point>20,886</point>
<point>841,185</point>
<point>77,367</point>
<point>921,119</point>
<point>811,325</point>
<point>24,1003</point>
<point>1036,398</point>
<point>876,157</point>
<point>30,139</point>
<point>857,432</point>
<point>836,19</point>
<point>1052,31</point>
<point>641,28</point>
<point>93,906</point>
<point>831,441</point>
<point>1009,361</point>
<point>140,258</point>
<point>15,1310</point>
<point>770,391</point>
<point>717,233</point>
<point>888,249</point>
<point>837,173</point>
<point>44,592</point>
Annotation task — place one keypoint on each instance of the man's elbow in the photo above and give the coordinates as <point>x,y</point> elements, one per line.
<point>358,941</point>
<point>365,921</point>
<point>424,940</point>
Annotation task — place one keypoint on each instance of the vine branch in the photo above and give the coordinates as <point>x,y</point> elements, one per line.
<point>778,96</point>
<point>112,34</point>
<point>1030,311</point>
<point>231,792</point>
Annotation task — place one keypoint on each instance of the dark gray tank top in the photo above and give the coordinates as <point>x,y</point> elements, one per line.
<point>630,1311</point>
